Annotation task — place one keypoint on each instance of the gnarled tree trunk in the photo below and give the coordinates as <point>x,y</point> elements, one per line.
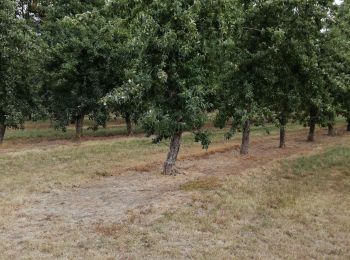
<point>172,154</point>
<point>2,132</point>
<point>245,138</point>
<point>312,125</point>
<point>79,122</point>
<point>128,124</point>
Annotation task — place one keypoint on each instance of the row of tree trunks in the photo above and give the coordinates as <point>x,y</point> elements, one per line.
<point>79,123</point>
<point>176,141</point>
<point>168,168</point>
<point>2,132</point>
<point>246,136</point>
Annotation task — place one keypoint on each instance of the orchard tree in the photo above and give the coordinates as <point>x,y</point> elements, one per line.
<point>340,35</point>
<point>282,95</point>
<point>127,101</point>
<point>126,78</point>
<point>174,57</point>
<point>78,66</point>
<point>311,21</point>
<point>18,69</point>
<point>278,64</point>
<point>247,72</point>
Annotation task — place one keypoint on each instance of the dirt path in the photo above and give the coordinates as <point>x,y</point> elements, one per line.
<point>61,213</point>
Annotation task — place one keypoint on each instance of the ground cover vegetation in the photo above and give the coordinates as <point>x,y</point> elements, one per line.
<point>167,65</point>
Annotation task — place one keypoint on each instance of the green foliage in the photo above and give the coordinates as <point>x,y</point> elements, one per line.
<point>168,63</point>
<point>79,64</point>
<point>127,100</point>
<point>247,70</point>
<point>315,18</point>
<point>19,67</point>
<point>278,64</point>
<point>339,36</point>
<point>203,138</point>
<point>127,81</point>
<point>175,58</point>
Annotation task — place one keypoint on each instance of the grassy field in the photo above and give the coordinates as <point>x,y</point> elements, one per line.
<point>76,163</point>
<point>42,131</point>
<point>294,208</point>
<point>297,209</point>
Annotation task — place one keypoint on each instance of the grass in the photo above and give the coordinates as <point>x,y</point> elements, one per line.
<point>206,183</point>
<point>36,169</point>
<point>299,209</point>
<point>40,169</point>
<point>41,131</point>
<point>37,131</point>
<point>261,214</point>
<point>74,164</point>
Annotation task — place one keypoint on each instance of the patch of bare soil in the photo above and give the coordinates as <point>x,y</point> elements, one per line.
<point>57,213</point>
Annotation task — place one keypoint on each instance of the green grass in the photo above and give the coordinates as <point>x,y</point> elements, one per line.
<point>334,159</point>
<point>43,131</point>
<point>35,131</point>
<point>209,183</point>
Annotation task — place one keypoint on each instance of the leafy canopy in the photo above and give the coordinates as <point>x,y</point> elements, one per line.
<point>19,67</point>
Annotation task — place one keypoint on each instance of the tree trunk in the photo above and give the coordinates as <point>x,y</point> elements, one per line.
<point>283,123</point>
<point>312,124</point>
<point>2,132</point>
<point>331,131</point>
<point>79,121</point>
<point>128,124</point>
<point>348,125</point>
<point>311,137</point>
<point>245,138</point>
<point>282,136</point>
<point>173,153</point>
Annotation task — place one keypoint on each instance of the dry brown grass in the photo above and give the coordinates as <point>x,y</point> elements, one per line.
<point>266,213</point>
<point>202,183</point>
<point>299,209</point>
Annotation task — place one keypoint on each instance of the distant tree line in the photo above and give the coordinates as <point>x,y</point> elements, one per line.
<point>165,64</point>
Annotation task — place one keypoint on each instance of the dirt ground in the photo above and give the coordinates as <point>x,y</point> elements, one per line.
<point>71,214</point>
